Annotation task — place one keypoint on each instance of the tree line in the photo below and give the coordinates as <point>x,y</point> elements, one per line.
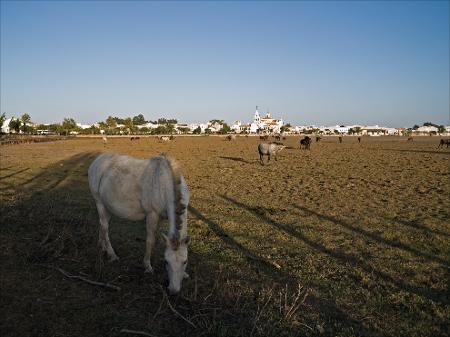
<point>111,125</point>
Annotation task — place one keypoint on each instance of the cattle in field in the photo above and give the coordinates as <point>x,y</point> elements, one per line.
<point>305,143</point>
<point>443,142</point>
<point>137,189</point>
<point>269,149</point>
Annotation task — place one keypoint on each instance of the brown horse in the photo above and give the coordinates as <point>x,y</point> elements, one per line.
<point>443,142</point>
<point>359,139</point>
<point>340,139</point>
<point>305,143</point>
<point>410,139</point>
<point>265,137</point>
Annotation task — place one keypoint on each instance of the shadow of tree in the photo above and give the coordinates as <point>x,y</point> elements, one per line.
<point>374,237</point>
<point>431,294</point>
<point>416,225</point>
<point>237,159</point>
<point>326,306</point>
<point>417,151</point>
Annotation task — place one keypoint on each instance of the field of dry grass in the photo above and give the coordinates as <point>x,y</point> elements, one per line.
<point>343,240</point>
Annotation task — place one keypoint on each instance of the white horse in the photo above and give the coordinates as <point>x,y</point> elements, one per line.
<point>135,189</point>
<point>164,138</point>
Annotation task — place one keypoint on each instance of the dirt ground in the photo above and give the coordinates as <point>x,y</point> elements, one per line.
<point>342,240</point>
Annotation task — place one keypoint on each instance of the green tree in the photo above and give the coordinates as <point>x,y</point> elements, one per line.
<point>184,130</point>
<point>430,124</point>
<point>14,124</point>
<point>165,121</point>
<point>208,131</point>
<point>225,129</point>
<point>415,127</point>
<point>119,120</point>
<point>139,120</point>
<point>111,122</point>
<point>128,122</point>
<point>2,119</point>
<point>26,120</point>
<point>218,121</point>
<point>197,130</point>
<point>441,129</point>
<point>68,125</point>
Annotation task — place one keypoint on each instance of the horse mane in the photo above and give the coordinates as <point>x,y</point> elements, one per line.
<point>179,207</point>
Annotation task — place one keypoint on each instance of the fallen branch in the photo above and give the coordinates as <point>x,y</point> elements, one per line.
<point>143,333</point>
<point>100,284</point>
<point>177,313</point>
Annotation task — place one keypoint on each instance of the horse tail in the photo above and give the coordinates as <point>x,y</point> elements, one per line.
<point>178,207</point>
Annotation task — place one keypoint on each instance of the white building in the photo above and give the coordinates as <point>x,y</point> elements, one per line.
<point>265,124</point>
<point>5,126</point>
<point>427,130</point>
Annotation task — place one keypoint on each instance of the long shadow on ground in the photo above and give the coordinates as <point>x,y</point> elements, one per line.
<point>431,294</point>
<point>261,265</point>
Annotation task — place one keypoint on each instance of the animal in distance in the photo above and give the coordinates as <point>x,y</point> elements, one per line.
<point>269,149</point>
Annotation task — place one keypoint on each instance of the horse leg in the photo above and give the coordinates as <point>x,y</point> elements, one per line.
<point>261,160</point>
<point>152,224</point>
<point>103,236</point>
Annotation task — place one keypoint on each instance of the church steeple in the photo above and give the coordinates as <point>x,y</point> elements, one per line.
<point>257,118</point>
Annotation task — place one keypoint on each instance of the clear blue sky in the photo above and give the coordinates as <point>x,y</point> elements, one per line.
<point>308,62</point>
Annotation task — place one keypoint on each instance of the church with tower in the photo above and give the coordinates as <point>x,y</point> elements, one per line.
<point>265,124</point>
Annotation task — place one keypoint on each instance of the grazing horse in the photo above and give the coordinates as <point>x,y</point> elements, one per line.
<point>410,139</point>
<point>305,143</point>
<point>277,137</point>
<point>340,139</point>
<point>134,138</point>
<point>150,189</point>
<point>318,139</point>
<point>268,149</point>
<point>265,137</point>
<point>359,139</point>
<point>443,142</point>
<point>164,138</point>
<point>105,140</point>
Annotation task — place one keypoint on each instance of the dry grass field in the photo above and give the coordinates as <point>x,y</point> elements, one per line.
<point>343,240</point>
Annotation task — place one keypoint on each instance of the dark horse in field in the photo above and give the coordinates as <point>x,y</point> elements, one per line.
<point>443,142</point>
<point>305,143</point>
